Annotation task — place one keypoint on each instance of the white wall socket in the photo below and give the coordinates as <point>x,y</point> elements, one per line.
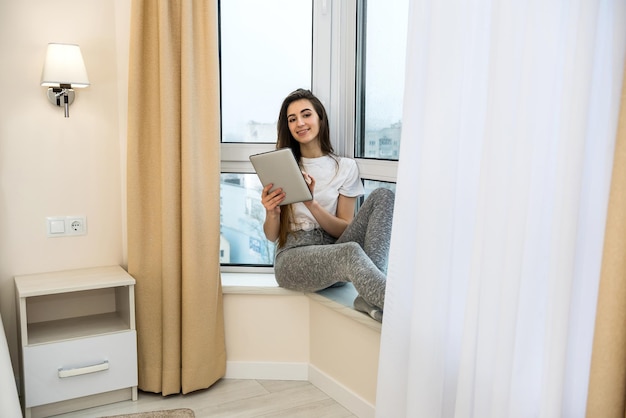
<point>63,226</point>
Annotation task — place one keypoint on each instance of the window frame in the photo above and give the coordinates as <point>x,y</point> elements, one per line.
<point>335,83</point>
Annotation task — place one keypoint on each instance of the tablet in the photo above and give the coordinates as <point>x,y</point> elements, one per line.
<point>280,168</point>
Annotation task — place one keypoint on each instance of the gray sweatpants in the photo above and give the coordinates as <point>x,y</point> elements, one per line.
<point>313,260</point>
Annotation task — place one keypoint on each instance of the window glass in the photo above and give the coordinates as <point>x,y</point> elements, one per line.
<point>265,53</point>
<point>370,185</point>
<point>380,74</point>
<point>242,241</point>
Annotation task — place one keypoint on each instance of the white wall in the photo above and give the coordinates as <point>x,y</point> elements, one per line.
<point>53,166</point>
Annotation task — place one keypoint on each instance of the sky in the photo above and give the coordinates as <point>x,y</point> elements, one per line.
<point>266,54</point>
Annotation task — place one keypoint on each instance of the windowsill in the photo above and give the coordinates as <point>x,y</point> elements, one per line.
<point>253,283</point>
<point>339,299</point>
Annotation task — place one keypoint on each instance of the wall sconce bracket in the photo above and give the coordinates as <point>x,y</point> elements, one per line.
<point>55,96</point>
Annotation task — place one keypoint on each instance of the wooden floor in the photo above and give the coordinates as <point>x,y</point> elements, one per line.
<point>235,398</point>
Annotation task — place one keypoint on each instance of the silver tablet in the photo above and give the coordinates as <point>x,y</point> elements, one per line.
<point>280,168</point>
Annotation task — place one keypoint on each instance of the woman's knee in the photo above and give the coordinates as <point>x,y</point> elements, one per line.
<point>381,200</point>
<point>382,194</point>
<point>350,251</point>
<point>290,279</point>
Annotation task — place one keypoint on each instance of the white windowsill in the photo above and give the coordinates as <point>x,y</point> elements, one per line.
<point>253,283</point>
<point>338,299</point>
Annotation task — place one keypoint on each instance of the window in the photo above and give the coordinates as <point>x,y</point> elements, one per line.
<point>380,41</point>
<point>381,46</point>
<point>265,53</point>
<point>371,185</point>
<point>242,216</point>
<point>341,51</point>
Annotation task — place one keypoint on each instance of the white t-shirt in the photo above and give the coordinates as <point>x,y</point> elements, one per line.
<point>333,176</point>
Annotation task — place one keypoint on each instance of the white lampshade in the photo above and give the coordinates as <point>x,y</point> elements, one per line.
<point>64,65</point>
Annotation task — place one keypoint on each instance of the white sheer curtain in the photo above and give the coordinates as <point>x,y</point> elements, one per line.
<point>508,131</point>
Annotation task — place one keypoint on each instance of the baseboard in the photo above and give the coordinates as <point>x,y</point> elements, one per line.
<point>267,370</point>
<point>301,371</point>
<point>340,393</point>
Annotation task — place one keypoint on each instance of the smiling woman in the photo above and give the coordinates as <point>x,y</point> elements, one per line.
<point>322,242</point>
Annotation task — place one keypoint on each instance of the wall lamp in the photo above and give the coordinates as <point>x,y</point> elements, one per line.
<point>63,71</point>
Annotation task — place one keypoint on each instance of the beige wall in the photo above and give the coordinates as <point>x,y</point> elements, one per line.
<point>281,329</point>
<point>53,166</point>
<point>345,350</point>
<point>266,328</point>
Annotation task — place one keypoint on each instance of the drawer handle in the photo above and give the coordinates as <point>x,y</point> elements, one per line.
<point>84,370</point>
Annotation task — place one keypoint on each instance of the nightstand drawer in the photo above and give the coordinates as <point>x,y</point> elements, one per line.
<point>69,369</point>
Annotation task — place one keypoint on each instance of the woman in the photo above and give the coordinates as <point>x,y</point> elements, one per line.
<point>321,243</point>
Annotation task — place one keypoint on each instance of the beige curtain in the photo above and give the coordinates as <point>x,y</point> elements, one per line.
<point>173,194</point>
<point>607,380</point>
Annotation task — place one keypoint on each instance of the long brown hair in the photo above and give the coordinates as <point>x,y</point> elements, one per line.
<point>285,139</point>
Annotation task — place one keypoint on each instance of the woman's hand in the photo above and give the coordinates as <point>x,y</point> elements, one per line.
<point>310,181</point>
<point>271,200</point>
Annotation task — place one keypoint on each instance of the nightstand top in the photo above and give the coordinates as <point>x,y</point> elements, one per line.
<point>71,281</point>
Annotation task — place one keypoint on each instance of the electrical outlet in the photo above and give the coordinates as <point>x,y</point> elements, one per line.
<point>76,225</point>
<point>63,226</point>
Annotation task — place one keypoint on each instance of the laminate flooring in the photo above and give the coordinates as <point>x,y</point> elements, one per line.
<point>234,398</point>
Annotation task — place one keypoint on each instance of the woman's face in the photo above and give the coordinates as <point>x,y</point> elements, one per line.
<point>303,120</point>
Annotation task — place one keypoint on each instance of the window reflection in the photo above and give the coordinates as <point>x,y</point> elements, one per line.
<point>371,185</point>
<point>242,240</point>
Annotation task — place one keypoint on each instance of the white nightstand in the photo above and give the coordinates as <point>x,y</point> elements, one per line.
<point>77,339</point>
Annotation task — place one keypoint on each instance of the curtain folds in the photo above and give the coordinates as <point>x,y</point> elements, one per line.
<point>173,194</point>
<point>509,124</point>
<point>607,382</point>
